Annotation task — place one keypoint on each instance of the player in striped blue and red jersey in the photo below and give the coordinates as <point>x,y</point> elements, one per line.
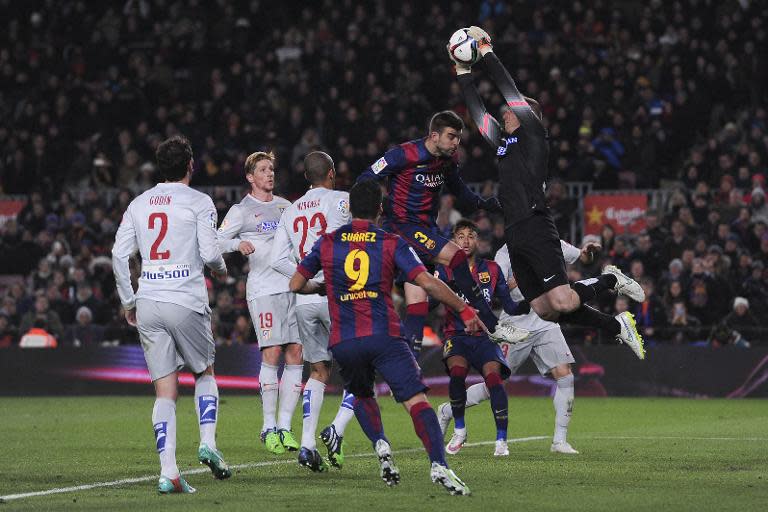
<point>417,171</point>
<point>359,262</point>
<point>463,349</point>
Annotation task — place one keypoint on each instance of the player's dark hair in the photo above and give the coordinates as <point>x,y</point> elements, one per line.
<point>445,119</point>
<point>173,156</point>
<point>316,166</point>
<point>464,224</point>
<point>365,200</point>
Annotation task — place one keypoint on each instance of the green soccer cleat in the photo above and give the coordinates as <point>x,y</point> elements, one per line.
<point>288,440</point>
<point>172,486</point>
<point>271,440</point>
<point>334,443</point>
<point>629,334</point>
<point>214,460</point>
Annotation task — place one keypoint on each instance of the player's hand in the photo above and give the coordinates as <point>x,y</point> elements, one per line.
<point>512,282</point>
<point>482,38</point>
<point>130,316</point>
<point>461,68</point>
<point>588,252</point>
<point>472,323</point>
<point>246,248</point>
<point>490,204</point>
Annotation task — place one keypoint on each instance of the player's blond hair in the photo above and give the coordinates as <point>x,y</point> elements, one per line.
<point>254,158</point>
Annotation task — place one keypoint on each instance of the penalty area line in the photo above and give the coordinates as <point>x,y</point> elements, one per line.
<point>197,471</point>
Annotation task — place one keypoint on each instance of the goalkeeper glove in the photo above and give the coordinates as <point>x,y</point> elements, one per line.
<point>460,67</point>
<point>482,38</point>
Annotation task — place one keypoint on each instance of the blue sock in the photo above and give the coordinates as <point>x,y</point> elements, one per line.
<point>369,416</point>
<point>457,392</point>
<point>499,404</point>
<point>428,429</point>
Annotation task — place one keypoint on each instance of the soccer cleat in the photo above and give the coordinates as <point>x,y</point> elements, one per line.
<point>334,443</point>
<point>625,285</point>
<point>448,479</point>
<point>458,439</point>
<point>508,333</point>
<point>313,460</point>
<point>271,440</point>
<point>177,485</point>
<point>444,416</point>
<point>214,460</point>
<point>502,450</point>
<point>629,334</point>
<point>563,447</point>
<point>388,471</point>
<point>288,440</point>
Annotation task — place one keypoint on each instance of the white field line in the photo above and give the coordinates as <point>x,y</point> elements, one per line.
<point>126,481</point>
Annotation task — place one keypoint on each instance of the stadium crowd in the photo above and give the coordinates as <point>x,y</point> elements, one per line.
<point>635,95</point>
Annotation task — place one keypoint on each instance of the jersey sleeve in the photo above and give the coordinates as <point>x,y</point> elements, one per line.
<point>229,229</point>
<point>311,264</point>
<point>460,189</point>
<point>487,125</point>
<point>502,291</point>
<point>407,260</point>
<point>505,266</point>
<point>341,214</point>
<point>391,163</point>
<point>126,245</point>
<point>207,239</point>
<point>570,252</point>
<point>280,255</point>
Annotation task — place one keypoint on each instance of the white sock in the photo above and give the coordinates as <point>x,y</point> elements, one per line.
<point>290,390</point>
<point>207,407</point>
<point>164,423</point>
<point>312,402</point>
<point>268,383</point>
<point>477,393</point>
<point>563,401</point>
<point>345,414</point>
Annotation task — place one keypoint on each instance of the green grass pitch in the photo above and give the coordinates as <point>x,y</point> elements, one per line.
<point>636,454</point>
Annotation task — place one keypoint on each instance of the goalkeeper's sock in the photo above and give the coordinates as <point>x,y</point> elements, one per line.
<point>312,402</point>
<point>590,317</point>
<point>269,390</point>
<point>477,393</point>
<point>345,414</point>
<point>428,429</point>
<point>457,392</point>
<point>207,407</point>
<point>289,392</point>
<point>462,276</point>
<point>164,423</point>
<point>563,402</point>
<point>499,404</point>
<point>369,416</point>
<point>588,289</point>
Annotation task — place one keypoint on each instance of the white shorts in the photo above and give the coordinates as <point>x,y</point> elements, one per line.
<point>547,349</point>
<point>315,328</point>
<point>173,336</point>
<point>274,319</point>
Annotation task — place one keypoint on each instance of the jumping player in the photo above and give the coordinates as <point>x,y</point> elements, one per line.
<point>462,349</point>
<point>359,263</point>
<point>533,241</point>
<point>322,209</point>
<point>173,227</point>
<point>417,171</point>
<point>249,227</point>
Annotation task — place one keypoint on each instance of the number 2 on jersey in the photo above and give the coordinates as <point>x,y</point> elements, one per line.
<point>356,266</point>
<point>301,223</point>
<point>154,254</point>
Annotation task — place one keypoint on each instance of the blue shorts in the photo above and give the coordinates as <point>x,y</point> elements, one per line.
<point>477,350</point>
<point>359,359</point>
<point>427,241</point>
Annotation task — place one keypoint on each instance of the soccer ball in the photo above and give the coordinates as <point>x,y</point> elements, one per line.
<point>463,48</point>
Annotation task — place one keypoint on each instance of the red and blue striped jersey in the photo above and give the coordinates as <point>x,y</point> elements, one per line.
<point>416,178</point>
<point>492,282</point>
<point>359,262</point>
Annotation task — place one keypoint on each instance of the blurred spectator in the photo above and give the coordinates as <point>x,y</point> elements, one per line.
<point>741,319</point>
<point>84,333</point>
<point>42,316</point>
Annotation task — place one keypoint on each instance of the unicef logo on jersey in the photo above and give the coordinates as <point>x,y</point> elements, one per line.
<point>502,150</point>
<point>267,226</point>
<point>430,180</point>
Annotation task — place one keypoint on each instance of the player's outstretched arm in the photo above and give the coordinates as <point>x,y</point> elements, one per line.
<point>487,125</point>
<point>440,291</point>
<point>227,235</point>
<point>207,241</point>
<point>466,197</point>
<point>502,292</point>
<point>301,281</point>
<point>126,245</point>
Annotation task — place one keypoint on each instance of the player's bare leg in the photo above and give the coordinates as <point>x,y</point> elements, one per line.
<point>164,423</point>
<point>458,368</point>
<point>563,402</point>
<point>207,408</point>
